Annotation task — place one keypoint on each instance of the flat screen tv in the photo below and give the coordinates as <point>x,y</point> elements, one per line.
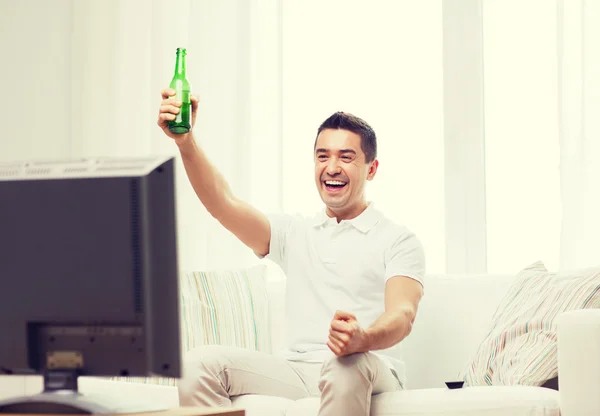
<point>88,276</point>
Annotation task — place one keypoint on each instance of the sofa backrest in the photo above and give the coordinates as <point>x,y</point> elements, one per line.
<point>276,294</point>
<point>452,320</point>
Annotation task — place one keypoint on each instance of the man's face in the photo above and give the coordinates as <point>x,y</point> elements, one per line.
<point>341,171</point>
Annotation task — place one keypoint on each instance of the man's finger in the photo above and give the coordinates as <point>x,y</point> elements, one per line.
<point>334,348</point>
<point>194,101</point>
<point>171,101</point>
<point>345,316</point>
<point>167,92</point>
<point>166,117</point>
<point>340,336</point>
<point>341,326</point>
<point>169,109</point>
<point>340,344</point>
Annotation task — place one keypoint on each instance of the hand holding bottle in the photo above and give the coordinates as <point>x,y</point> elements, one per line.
<point>170,107</point>
<point>178,108</point>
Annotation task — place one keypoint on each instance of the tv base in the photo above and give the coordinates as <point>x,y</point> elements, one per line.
<point>69,402</point>
<point>61,396</point>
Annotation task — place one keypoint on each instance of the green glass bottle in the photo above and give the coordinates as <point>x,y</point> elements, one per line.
<point>183,122</point>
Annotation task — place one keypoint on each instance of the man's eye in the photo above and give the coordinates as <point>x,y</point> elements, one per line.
<point>322,157</point>
<point>346,158</point>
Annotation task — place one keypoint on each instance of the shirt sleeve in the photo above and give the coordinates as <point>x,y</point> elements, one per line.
<point>406,257</point>
<point>280,226</point>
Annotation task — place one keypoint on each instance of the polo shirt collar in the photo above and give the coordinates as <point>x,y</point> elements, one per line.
<point>363,222</point>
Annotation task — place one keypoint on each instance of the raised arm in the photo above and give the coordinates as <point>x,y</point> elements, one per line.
<point>246,222</point>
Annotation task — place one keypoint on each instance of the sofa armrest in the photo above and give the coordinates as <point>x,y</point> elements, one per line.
<point>579,362</point>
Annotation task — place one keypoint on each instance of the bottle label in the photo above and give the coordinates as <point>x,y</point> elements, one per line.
<point>184,96</point>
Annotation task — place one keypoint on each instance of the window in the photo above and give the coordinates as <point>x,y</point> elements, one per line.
<point>382,61</point>
<point>521,134</point>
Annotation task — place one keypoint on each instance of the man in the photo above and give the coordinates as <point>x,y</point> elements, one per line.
<point>354,281</point>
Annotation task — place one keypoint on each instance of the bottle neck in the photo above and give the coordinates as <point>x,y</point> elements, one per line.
<point>180,65</point>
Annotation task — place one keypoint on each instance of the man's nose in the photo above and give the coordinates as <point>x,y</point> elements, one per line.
<point>333,167</point>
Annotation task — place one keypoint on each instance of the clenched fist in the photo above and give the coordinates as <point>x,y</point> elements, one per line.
<point>346,335</point>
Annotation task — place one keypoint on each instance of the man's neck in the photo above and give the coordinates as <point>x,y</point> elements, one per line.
<point>349,213</point>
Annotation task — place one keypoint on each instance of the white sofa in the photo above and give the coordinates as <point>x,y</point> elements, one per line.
<point>451,322</point>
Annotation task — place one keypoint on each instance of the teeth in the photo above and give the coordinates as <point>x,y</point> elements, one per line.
<point>335,183</point>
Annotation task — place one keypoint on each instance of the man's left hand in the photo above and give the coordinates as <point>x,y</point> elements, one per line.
<point>346,335</point>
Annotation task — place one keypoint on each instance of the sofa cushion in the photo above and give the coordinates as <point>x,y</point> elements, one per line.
<point>228,307</point>
<point>259,405</point>
<point>521,344</point>
<point>469,401</point>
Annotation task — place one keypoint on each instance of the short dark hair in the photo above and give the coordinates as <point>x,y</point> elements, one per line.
<point>347,121</point>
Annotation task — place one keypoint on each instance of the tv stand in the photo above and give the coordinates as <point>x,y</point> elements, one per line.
<point>61,396</point>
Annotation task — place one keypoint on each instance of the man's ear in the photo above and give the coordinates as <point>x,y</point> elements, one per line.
<point>372,169</point>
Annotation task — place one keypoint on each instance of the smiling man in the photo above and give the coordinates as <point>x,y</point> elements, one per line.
<point>354,281</point>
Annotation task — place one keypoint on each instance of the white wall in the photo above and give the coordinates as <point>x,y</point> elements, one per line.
<point>34,113</point>
<point>35,40</point>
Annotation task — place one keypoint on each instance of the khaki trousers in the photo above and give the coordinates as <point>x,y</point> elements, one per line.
<point>214,374</point>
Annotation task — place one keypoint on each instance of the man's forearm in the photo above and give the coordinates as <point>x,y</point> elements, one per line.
<point>248,224</point>
<point>208,183</point>
<point>390,328</point>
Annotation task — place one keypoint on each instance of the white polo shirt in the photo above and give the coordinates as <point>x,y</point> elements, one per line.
<point>345,266</point>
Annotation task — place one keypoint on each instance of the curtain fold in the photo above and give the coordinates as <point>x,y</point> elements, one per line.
<point>123,54</point>
<point>579,131</point>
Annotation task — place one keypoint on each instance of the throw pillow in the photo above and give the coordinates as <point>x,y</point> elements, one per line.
<point>226,308</point>
<point>521,344</point>
<point>221,308</point>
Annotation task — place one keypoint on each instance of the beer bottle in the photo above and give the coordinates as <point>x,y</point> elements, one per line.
<point>183,122</point>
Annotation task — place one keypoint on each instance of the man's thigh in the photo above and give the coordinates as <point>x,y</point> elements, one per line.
<point>343,370</point>
<point>359,368</point>
<point>310,373</point>
<point>242,371</point>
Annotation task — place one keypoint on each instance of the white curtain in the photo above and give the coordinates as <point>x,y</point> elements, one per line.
<point>93,71</point>
<point>579,125</point>
<point>123,54</point>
